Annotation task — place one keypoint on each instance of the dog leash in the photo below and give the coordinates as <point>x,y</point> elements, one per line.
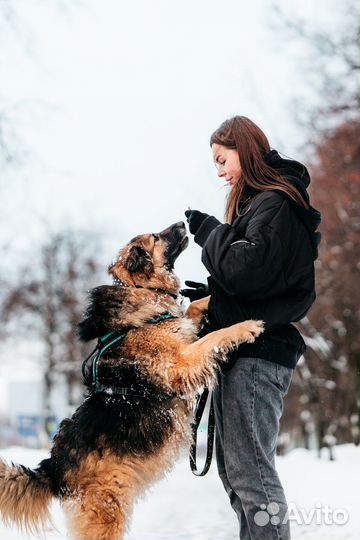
<point>199,410</point>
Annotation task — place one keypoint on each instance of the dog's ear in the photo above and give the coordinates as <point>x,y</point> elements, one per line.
<point>138,260</point>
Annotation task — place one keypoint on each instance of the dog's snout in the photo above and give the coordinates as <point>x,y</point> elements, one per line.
<point>180,224</point>
<point>175,227</point>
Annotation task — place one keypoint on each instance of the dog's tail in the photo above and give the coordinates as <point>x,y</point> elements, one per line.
<point>25,495</point>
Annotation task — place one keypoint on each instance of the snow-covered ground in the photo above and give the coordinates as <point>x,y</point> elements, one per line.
<point>185,507</point>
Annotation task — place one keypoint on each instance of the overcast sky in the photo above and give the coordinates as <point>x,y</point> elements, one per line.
<point>115,102</point>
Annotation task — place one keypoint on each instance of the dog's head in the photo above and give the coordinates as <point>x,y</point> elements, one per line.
<point>148,259</point>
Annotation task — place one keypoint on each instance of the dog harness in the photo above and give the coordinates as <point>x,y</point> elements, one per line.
<point>90,364</point>
<point>110,339</point>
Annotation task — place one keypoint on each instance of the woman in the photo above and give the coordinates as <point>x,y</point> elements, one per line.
<point>261,266</point>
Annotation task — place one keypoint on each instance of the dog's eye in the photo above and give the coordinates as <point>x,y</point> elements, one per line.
<point>156,237</point>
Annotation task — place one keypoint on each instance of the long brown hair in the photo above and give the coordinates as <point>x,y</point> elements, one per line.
<point>241,134</point>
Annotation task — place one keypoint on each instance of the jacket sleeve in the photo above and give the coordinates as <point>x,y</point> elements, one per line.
<point>252,265</point>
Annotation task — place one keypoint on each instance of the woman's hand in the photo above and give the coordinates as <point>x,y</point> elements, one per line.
<point>195,218</point>
<point>198,290</point>
<point>201,225</point>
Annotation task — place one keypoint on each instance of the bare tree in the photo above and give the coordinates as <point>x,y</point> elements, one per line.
<point>49,298</point>
<point>13,147</point>
<point>330,68</point>
<point>325,395</point>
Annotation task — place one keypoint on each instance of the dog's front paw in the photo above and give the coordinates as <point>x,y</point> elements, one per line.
<point>250,330</point>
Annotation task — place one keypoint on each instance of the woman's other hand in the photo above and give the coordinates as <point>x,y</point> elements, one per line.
<point>197,291</point>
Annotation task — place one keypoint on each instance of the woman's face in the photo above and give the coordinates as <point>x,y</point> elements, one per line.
<point>227,162</point>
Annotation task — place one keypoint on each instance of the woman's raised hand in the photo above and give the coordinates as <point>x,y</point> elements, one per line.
<point>195,218</point>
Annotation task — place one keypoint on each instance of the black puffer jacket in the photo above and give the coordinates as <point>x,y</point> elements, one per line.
<point>262,266</point>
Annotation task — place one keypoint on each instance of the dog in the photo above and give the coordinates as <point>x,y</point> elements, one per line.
<point>141,390</point>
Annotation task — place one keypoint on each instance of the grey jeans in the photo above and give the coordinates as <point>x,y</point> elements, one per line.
<point>248,406</point>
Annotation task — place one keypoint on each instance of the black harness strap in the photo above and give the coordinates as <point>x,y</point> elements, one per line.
<point>90,364</point>
<point>116,390</point>
<point>200,406</point>
<point>91,361</point>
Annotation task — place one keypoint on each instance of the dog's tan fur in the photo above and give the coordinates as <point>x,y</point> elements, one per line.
<point>22,501</point>
<point>103,484</point>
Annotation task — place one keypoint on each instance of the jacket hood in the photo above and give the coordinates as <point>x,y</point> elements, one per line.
<point>298,175</point>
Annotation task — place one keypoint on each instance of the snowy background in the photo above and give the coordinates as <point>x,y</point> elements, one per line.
<point>183,507</point>
<point>106,109</point>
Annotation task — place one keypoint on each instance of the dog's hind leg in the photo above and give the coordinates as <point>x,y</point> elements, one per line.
<point>101,497</point>
<point>196,364</point>
<point>98,515</point>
